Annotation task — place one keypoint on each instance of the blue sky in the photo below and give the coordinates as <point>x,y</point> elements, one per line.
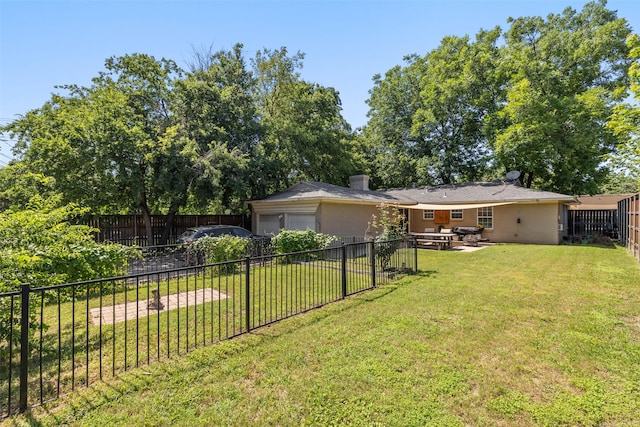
<point>346,42</point>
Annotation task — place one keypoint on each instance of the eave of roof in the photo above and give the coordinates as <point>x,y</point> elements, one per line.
<point>496,192</point>
<point>478,192</point>
<point>319,191</point>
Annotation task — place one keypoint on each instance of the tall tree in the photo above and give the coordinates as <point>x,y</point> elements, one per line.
<point>305,136</point>
<point>625,121</point>
<point>387,137</point>
<point>564,72</point>
<point>427,120</point>
<point>116,144</point>
<point>217,109</point>
<point>459,89</point>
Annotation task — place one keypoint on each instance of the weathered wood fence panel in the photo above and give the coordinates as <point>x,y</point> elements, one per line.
<point>131,230</point>
<point>629,219</point>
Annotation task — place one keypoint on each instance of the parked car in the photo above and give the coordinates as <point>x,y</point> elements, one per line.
<point>196,233</point>
<point>260,245</point>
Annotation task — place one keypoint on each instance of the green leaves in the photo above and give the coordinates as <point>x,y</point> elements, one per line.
<point>41,246</point>
<point>563,75</point>
<point>625,120</point>
<point>535,98</point>
<point>290,241</point>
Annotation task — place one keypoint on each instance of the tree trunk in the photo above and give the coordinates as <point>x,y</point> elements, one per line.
<point>529,179</point>
<point>166,231</point>
<point>146,216</point>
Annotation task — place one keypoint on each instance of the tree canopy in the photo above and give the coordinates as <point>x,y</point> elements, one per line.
<point>547,97</point>
<point>535,98</point>
<point>148,137</point>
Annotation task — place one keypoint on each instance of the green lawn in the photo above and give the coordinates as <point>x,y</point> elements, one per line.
<point>512,335</point>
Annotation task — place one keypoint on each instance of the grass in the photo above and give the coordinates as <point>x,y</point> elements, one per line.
<point>277,290</point>
<point>512,335</point>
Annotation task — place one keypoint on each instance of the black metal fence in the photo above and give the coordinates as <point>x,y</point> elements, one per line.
<point>59,338</point>
<point>585,223</point>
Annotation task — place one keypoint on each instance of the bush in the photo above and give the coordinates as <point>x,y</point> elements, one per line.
<point>289,241</point>
<point>210,250</point>
<point>40,246</point>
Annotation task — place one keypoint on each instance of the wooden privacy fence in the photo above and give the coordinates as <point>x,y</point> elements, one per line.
<point>629,220</point>
<point>130,229</point>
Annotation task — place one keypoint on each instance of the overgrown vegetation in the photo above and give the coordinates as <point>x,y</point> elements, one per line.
<point>512,335</point>
<point>390,224</point>
<point>210,250</point>
<point>291,241</point>
<point>40,246</point>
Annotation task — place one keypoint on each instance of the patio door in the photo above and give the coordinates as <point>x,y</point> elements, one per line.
<point>441,217</point>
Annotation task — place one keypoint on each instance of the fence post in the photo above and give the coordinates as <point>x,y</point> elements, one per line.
<point>24,346</point>
<point>247,287</point>
<point>415,254</point>
<point>344,271</point>
<point>373,263</point>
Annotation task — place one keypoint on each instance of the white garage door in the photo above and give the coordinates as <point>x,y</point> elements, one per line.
<point>301,222</point>
<point>269,225</point>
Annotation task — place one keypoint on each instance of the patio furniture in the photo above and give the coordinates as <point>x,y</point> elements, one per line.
<point>437,240</point>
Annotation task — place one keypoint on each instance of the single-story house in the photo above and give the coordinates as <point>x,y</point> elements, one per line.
<point>321,207</point>
<point>507,211</point>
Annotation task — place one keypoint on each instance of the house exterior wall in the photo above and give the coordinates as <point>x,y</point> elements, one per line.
<point>336,219</point>
<point>339,219</point>
<point>538,223</point>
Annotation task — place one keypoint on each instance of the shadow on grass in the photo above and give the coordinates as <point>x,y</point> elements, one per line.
<point>323,312</point>
<point>77,404</point>
<point>81,402</point>
<point>426,273</point>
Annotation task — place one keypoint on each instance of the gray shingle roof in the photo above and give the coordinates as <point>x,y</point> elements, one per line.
<point>321,190</point>
<point>472,192</point>
<point>475,192</point>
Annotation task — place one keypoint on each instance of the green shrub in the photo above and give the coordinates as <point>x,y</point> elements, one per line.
<point>391,225</point>
<point>210,250</point>
<point>289,241</point>
<point>40,246</point>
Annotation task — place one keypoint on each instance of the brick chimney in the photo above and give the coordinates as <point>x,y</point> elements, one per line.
<point>359,182</point>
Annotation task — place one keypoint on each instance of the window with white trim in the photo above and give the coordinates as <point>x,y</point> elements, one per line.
<point>456,214</point>
<point>428,214</point>
<point>485,217</point>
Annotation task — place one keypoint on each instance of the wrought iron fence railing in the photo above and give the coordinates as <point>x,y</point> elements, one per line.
<point>56,339</point>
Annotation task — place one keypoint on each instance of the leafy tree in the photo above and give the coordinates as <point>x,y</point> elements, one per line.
<point>459,89</point>
<point>218,112</point>
<point>427,119</point>
<point>625,121</point>
<point>18,185</point>
<point>41,246</point>
<point>117,145</point>
<point>387,137</point>
<point>305,136</point>
<point>104,144</point>
<point>620,182</point>
<point>564,72</point>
